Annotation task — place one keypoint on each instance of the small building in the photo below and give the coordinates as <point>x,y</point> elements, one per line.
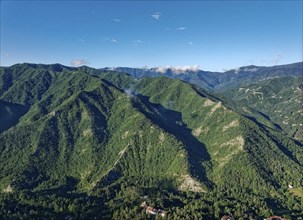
<point>161,212</point>
<point>143,205</point>
<point>226,217</point>
<point>275,218</point>
<point>150,210</point>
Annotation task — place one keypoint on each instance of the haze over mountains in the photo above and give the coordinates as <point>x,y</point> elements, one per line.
<point>84,142</point>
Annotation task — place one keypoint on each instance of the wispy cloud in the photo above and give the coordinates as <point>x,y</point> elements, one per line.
<point>254,69</point>
<point>78,62</point>
<point>81,40</point>
<point>181,28</point>
<point>156,15</point>
<point>130,92</point>
<point>190,43</point>
<point>116,20</point>
<point>237,70</point>
<point>178,69</point>
<point>137,42</point>
<point>111,68</point>
<point>111,40</point>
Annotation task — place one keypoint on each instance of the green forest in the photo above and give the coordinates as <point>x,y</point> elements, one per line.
<point>85,143</point>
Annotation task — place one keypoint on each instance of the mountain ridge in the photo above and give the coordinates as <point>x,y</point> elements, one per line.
<point>97,141</point>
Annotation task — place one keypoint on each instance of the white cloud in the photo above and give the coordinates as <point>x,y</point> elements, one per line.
<point>111,40</point>
<point>116,20</point>
<point>156,15</point>
<point>181,28</point>
<point>130,92</point>
<point>79,62</point>
<point>137,42</point>
<point>162,69</point>
<point>237,70</point>
<point>254,69</point>
<point>178,69</point>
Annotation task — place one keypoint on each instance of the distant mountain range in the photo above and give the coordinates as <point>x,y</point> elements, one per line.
<point>271,92</point>
<point>96,143</point>
<point>218,80</point>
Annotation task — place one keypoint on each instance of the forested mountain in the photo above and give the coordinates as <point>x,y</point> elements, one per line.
<point>84,143</point>
<point>274,93</point>
<point>278,98</point>
<point>218,80</point>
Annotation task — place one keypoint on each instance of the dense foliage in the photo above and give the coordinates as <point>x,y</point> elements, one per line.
<point>271,95</point>
<point>279,99</point>
<point>84,143</point>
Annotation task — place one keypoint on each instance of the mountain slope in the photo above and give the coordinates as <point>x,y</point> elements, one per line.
<point>280,99</point>
<point>67,128</point>
<point>252,90</point>
<point>87,147</point>
<point>225,133</point>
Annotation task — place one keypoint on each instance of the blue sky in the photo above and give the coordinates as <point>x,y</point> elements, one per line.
<point>214,35</point>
